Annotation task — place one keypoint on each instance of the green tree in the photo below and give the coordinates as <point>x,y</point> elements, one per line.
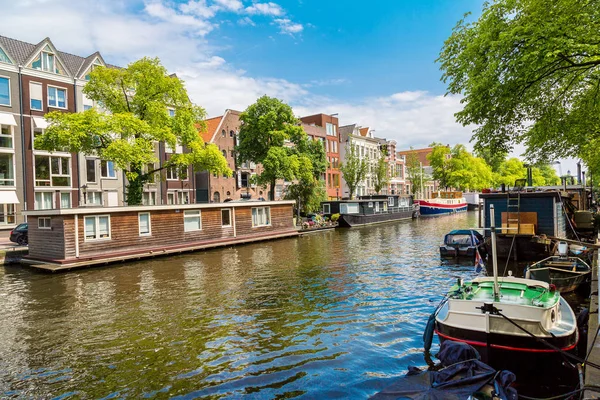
<point>439,160</point>
<point>468,172</point>
<point>136,99</point>
<point>529,72</point>
<point>380,172</point>
<point>548,173</point>
<point>509,171</point>
<point>354,169</point>
<point>270,135</point>
<point>414,171</point>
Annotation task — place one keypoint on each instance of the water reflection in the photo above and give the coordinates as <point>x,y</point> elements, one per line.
<point>334,314</point>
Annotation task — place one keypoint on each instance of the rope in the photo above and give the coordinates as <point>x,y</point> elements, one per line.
<point>561,396</point>
<point>550,345</point>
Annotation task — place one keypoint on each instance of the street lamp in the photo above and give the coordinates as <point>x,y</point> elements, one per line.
<point>84,189</point>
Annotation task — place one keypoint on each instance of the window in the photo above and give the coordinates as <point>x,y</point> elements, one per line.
<point>43,201</point>
<point>326,208</point>
<point>97,227</point>
<point>94,198</point>
<point>4,57</point>
<point>261,216</point>
<point>172,174</point>
<point>184,197</point>
<point>149,199</point>
<point>171,112</point>
<point>226,217</point>
<point>191,221</point>
<point>144,224</point>
<point>376,206</point>
<point>171,198</point>
<point>87,107</point>
<point>44,223</point>
<point>7,172</point>
<point>35,96</point>
<point>223,133</point>
<point>7,214</point>
<point>329,128</point>
<point>45,61</point>
<point>231,133</point>
<point>391,201</point>
<point>349,208</point>
<point>4,91</point>
<point>232,153</point>
<point>57,97</point>
<point>65,200</point>
<point>6,137</point>
<point>52,171</point>
<point>107,169</point>
<point>245,180</point>
<point>224,152</point>
<point>90,170</point>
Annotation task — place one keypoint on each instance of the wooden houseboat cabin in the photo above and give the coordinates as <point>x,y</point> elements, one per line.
<point>371,209</point>
<point>67,238</point>
<point>527,217</point>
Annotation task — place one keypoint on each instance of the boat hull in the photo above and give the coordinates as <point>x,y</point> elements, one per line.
<point>467,253</point>
<point>350,220</point>
<point>432,208</point>
<point>567,273</point>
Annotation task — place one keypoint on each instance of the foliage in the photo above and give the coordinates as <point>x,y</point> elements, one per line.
<point>528,71</point>
<point>354,169</point>
<point>308,194</point>
<point>466,171</point>
<point>136,100</point>
<point>270,135</point>
<point>513,169</point>
<point>413,170</point>
<point>335,217</point>
<point>439,160</point>
<point>380,172</point>
<point>548,173</point>
<point>491,157</point>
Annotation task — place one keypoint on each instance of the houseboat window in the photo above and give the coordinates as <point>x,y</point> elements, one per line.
<point>261,216</point>
<point>385,207</point>
<point>226,217</point>
<point>97,227</point>
<point>376,206</point>
<point>144,224</point>
<point>44,223</point>
<point>191,221</point>
<point>326,208</point>
<point>43,200</point>
<point>90,168</point>
<point>349,208</point>
<point>370,204</point>
<point>391,201</point>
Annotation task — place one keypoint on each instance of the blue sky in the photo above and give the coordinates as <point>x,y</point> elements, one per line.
<point>372,62</point>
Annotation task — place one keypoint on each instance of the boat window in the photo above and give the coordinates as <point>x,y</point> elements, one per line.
<point>326,208</point>
<point>459,239</point>
<point>349,208</point>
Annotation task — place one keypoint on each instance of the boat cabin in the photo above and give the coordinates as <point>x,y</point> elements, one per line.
<point>367,205</point>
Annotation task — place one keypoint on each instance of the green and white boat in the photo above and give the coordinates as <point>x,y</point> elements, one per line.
<point>521,325</point>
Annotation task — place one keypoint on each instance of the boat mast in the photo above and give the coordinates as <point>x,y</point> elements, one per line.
<point>494,254</point>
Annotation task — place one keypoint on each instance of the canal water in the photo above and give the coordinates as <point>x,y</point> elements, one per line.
<point>336,314</point>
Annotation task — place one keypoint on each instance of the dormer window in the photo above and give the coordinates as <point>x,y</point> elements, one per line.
<point>96,63</point>
<point>46,61</point>
<point>4,57</point>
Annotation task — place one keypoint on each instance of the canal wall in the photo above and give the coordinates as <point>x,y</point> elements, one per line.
<point>13,256</point>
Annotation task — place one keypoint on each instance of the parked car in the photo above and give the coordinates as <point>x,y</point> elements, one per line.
<point>19,234</point>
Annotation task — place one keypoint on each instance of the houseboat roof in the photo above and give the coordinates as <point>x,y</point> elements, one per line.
<point>111,210</point>
<point>549,193</point>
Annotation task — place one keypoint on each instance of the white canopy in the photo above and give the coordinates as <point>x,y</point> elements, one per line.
<point>8,197</point>
<point>40,122</point>
<point>7,119</point>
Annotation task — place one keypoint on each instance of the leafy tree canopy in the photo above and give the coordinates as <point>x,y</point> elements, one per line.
<point>354,168</point>
<point>271,135</point>
<point>529,71</point>
<point>439,160</point>
<point>134,115</point>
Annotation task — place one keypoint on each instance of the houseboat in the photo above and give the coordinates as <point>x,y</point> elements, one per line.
<point>527,221</point>
<point>371,209</point>
<point>80,237</point>
<point>442,203</point>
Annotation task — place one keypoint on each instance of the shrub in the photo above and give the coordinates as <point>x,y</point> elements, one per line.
<point>335,217</point>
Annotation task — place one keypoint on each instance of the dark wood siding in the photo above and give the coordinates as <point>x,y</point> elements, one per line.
<point>51,240</point>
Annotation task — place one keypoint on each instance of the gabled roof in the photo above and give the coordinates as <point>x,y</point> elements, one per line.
<point>212,124</point>
<point>22,52</point>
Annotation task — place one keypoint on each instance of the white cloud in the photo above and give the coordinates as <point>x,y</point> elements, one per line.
<point>269,8</point>
<point>412,118</point>
<point>232,5</point>
<point>288,26</point>
<point>246,21</point>
<point>198,8</point>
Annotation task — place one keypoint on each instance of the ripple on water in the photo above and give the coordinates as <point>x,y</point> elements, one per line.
<point>331,315</point>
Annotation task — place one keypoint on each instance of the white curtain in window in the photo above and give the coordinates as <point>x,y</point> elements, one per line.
<point>144,223</point>
<point>65,200</point>
<point>90,227</point>
<point>192,221</point>
<point>103,227</point>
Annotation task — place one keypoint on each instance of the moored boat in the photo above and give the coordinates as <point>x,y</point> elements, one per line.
<point>567,273</point>
<point>442,203</point>
<point>371,209</point>
<point>463,243</point>
<point>510,321</point>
